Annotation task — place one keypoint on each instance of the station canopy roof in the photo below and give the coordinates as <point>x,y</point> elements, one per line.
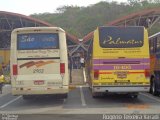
<point>10,21</point>
<point>145,18</point>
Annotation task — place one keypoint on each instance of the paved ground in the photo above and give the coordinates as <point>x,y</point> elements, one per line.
<point>79,102</point>
<point>79,106</point>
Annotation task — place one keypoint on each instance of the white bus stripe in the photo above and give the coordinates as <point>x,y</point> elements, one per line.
<point>10,102</point>
<point>82,97</point>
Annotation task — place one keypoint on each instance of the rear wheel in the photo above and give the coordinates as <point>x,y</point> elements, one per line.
<point>94,95</point>
<point>134,95</point>
<point>26,97</point>
<point>153,88</point>
<point>65,95</point>
<point>97,94</point>
<point>151,85</point>
<point>61,96</point>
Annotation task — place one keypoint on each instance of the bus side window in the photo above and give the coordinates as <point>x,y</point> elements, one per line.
<point>158,44</point>
<point>155,45</point>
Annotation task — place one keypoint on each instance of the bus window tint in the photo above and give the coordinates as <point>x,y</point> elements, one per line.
<point>37,41</point>
<point>122,37</point>
<point>158,44</point>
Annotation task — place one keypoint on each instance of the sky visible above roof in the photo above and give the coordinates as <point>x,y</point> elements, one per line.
<point>27,7</point>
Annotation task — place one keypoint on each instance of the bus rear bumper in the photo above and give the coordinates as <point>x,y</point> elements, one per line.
<point>120,89</point>
<point>39,91</point>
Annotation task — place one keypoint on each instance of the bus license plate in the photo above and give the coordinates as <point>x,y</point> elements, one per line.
<point>39,82</point>
<point>121,74</point>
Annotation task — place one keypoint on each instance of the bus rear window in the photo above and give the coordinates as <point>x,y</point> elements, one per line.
<point>121,37</point>
<point>32,41</point>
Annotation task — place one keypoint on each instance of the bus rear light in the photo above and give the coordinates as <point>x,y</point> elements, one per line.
<point>15,70</point>
<point>147,73</point>
<point>62,68</point>
<point>96,74</point>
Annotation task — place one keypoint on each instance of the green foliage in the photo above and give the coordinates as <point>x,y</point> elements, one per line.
<point>79,21</point>
<point>155,29</point>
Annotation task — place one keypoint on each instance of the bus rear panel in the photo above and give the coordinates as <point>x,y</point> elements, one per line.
<point>39,63</point>
<point>120,60</point>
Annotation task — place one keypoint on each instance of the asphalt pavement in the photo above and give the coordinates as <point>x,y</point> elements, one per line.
<point>78,105</point>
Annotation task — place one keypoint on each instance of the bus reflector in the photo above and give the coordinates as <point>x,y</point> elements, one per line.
<point>96,74</point>
<point>62,68</point>
<point>147,73</point>
<point>15,70</point>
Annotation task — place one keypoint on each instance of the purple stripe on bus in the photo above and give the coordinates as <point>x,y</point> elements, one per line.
<point>111,67</point>
<point>112,61</point>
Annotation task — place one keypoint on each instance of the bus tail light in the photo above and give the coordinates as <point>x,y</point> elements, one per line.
<point>96,74</point>
<point>62,68</point>
<point>15,70</point>
<point>147,73</point>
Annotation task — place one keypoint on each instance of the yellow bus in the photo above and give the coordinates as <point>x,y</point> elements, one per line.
<point>38,62</point>
<point>119,61</point>
<point>154,43</point>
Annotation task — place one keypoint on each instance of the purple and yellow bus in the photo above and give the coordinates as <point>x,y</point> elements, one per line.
<point>119,61</point>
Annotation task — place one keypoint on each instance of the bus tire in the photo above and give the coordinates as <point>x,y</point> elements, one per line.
<point>64,96</point>
<point>153,88</point>
<point>134,95</point>
<point>150,90</point>
<point>94,95</point>
<point>97,95</point>
<point>26,97</point>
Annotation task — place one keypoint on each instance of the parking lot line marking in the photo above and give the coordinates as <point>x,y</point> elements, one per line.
<point>84,75</point>
<point>156,99</point>
<point>10,102</point>
<point>82,96</point>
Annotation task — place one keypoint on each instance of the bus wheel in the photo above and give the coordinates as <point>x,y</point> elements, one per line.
<point>26,97</point>
<point>153,88</point>
<point>97,95</point>
<point>94,95</point>
<point>150,90</point>
<point>65,95</point>
<point>134,95</point>
<point>151,85</point>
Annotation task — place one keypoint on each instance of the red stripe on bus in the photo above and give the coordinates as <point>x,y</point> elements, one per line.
<point>105,72</point>
<point>135,72</point>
